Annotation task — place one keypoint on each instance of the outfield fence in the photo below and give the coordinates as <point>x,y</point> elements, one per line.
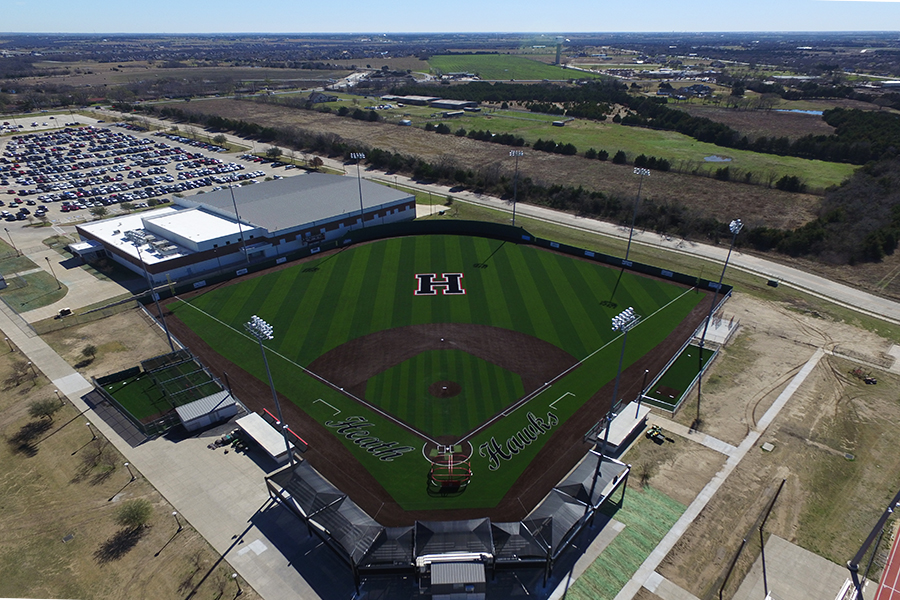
<point>496,231</point>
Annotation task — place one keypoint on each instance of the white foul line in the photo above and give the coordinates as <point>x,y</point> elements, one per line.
<point>560,398</point>
<point>336,411</point>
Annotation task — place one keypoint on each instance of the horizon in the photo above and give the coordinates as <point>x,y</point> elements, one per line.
<point>525,17</point>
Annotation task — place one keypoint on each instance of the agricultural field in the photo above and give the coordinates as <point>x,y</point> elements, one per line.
<point>527,342</point>
<point>502,67</point>
<point>111,74</point>
<point>684,153</point>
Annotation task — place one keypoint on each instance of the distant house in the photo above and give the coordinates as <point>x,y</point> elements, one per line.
<point>319,97</point>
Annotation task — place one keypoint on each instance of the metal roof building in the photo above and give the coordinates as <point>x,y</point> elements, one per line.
<point>204,233</point>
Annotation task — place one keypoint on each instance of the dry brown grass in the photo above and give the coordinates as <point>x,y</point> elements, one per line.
<point>707,197</point>
<point>60,537</point>
<point>829,503</point>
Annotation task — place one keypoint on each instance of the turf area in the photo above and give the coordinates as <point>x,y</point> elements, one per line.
<point>150,394</point>
<point>648,515</point>
<point>318,306</point>
<point>406,389</point>
<point>675,381</point>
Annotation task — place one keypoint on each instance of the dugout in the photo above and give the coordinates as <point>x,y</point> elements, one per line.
<point>204,412</point>
<point>434,550</point>
<point>268,438</point>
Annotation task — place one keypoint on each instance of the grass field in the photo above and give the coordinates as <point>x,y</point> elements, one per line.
<point>648,515</point>
<point>502,67</point>
<point>403,390</point>
<point>671,386</point>
<point>369,288</point>
<point>684,153</point>
<point>147,395</point>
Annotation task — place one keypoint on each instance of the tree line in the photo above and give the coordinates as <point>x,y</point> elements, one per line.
<point>858,221</point>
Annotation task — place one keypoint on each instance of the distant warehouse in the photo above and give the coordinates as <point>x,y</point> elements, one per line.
<point>203,233</point>
<point>432,101</point>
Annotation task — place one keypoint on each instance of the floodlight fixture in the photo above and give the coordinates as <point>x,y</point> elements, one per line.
<point>258,328</point>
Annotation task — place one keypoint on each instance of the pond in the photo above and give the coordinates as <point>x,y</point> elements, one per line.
<point>716,158</point>
<point>797,110</point>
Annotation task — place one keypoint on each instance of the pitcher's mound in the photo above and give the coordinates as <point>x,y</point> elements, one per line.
<point>444,389</point>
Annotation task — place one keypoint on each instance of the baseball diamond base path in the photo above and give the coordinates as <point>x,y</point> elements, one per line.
<point>335,462</point>
<point>351,364</point>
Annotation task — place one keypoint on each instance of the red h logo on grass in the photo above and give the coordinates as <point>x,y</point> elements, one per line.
<point>451,284</point>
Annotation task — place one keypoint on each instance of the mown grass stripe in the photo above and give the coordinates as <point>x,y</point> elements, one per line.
<point>316,340</point>
<point>384,293</point>
<point>512,296</point>
<point>532,300</point>
<point>365,307</point>
<point>404,286</point>
<point>559,302</point>
<point>495,309</point>
<point>349,297</point>
<point>582,306</point>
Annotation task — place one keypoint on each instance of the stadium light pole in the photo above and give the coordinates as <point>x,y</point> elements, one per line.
<point>358,156</point>
<point>735,228</point>
<point>643,173</point>
<point>261,330</point>
<point>237,218</point>
<point>234,578</point>
<point>516,154</point>
<point>155,296</point>
<point>625,321</point>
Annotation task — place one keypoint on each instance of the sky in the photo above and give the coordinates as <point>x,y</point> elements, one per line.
<point>401,16</point>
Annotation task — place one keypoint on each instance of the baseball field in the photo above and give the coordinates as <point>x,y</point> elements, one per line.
<point>385,350</point>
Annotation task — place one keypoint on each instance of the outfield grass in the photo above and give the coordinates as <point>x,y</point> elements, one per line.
<point>369,288</point>
<point>502,66</point>
<point>403,390</point>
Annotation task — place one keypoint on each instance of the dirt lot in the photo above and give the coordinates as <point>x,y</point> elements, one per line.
<point>121,342</point>
<point>833,445</point>
<point>756,123</point>
<point>772,344</point>
<point>714,198</point>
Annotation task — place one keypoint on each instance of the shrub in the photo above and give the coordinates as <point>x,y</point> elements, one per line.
<point>134,514</point>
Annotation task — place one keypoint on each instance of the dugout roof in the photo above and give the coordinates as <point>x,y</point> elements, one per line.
<point>366,544</point>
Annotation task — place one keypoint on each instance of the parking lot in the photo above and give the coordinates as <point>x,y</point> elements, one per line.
<point>59,175</point>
